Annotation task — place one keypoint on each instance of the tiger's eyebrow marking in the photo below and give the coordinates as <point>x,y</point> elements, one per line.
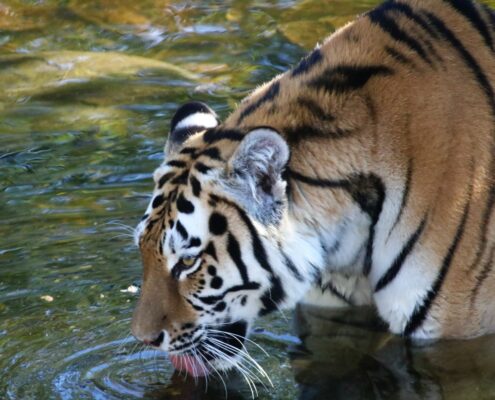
<point>194,242</point>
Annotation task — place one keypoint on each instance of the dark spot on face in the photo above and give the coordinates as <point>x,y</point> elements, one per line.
<point>188,150</point>
<point>220,306</point>
<point>158,201</point>
<point>213,153</point>
<point>243,300</point>
<point>188,325</point>
<point>144,217</point>
<point>210,250</point>
<point>184,205</point>
<point>217,224</point>
<point>216,282</point>
<point>202,282</point>
<point>176,163</point>
<point>194,242</point>
<point>182,231</point>
<point>164,179</point>
<point>202,167</point>
<point>171,223</point>
<point>196,186</point>
<point>212,270</point>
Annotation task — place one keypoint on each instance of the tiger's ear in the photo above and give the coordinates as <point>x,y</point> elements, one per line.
<point>255,173</point>
<point>191,118</point>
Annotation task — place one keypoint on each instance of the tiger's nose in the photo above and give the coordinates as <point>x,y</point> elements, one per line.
<point>155,342</point>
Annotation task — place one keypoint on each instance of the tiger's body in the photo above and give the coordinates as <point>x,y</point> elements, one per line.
<point>372,162</point>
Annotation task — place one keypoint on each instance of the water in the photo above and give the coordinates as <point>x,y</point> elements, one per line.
<point>87,89</point>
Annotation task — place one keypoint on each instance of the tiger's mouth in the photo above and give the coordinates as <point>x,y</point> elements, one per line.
<point>218,349</point>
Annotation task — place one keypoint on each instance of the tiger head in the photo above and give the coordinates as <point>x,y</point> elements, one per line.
<point>210,240</point>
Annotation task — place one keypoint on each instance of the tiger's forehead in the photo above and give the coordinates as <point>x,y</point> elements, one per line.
<point>181,180</point>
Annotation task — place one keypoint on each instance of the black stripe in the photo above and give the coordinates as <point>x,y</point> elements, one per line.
<point>466,56</point>
<point>237,288</point>
<point>215,135</point>
<point>406,10</point>
<point>234,251</point>
<point>326,183</point>
<point>180,179</point>
<point>399,260</point>
<point>158,201</point>
<point>211,152</point>
<point>197,308</point>
<point>405,195</point>
<point>420,312</point>
<point>307,63</point>
<point>344,78</point>
<point>211,251</point>
<point>485,85</point>
<point>202,167</point>
<point>332,289</point>
<point>176,163</point>
<point>487,212</point>
<point>291,267</point>
<point>164,178</point>
<point>270,93</point>
<point>468,9</point>
<point>367,190</point>
<point>182,231</point>
<point>315,109</point>
<point>485,272</point>
<point>303,132</point>
<point>276,293</point>
<point>388,25</point>
<point>491,16</point>
<point>398,56</point>
<point>188,150</point>
<point>195,185</point>
<point>272,297</point>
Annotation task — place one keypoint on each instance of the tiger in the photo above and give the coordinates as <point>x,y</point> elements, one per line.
<point>367,170</point>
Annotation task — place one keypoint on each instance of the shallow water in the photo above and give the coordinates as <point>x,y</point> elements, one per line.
<point>87,89</point>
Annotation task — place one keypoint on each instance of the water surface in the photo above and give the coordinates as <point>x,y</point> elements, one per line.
<point>87,89</point>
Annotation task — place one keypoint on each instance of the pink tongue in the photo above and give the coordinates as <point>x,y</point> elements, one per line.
<point>190,364</point>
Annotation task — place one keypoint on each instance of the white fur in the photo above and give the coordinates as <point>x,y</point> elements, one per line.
<point>197,119</point>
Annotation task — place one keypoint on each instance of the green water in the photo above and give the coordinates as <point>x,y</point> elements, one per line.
<point>87,89</point>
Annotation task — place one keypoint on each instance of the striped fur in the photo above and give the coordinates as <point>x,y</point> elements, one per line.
<point>387,197</point>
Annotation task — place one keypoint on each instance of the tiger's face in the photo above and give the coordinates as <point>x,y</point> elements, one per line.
<point>205,239</point>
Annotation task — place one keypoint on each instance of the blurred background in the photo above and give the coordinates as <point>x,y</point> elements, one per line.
<point>87,89</point>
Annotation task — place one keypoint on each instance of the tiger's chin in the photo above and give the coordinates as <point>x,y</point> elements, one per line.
<point>221,349</point>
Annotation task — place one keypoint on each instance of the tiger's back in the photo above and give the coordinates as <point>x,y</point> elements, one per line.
<point>404,95</point>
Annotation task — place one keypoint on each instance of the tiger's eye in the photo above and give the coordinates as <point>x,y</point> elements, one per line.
<point>188,261</point>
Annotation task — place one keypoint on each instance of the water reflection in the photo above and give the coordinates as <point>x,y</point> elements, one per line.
<point>87,89</point>
<point>348,354</point>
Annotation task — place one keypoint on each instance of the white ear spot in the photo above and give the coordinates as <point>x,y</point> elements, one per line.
<point>203,120</point>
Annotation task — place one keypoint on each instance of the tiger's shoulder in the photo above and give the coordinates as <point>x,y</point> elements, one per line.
<point>396,52</point>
